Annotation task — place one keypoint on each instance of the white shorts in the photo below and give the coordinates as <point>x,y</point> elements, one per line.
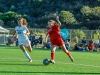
<point>24,42</point>
<point>96,41</point>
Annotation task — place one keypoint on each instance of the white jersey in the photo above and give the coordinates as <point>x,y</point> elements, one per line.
<point>21,32</point>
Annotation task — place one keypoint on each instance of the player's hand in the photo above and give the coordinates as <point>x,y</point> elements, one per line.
<point>11,37</point>
<point>44,43</point>
<point>27,33</point>
<point>57,18</point>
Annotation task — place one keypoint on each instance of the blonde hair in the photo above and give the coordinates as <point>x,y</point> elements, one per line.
<point>52,21</point>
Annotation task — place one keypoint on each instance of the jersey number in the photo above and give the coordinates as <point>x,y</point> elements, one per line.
<point>19,32</point>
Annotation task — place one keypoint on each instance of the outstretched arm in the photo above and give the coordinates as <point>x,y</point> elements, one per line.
<point>27,33</point>
<point>58,21</point>
<point>46,37</point>
<point>14,34</point>
<point>45,42</point>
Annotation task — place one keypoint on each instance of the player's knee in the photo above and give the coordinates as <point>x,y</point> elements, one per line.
<point>30,49</point>
<point>52,51</point>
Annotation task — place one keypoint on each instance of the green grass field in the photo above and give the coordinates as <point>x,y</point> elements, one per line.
<point>13,62</point>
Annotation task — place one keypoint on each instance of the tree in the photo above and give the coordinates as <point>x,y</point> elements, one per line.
<point>79,34</point>
<point>10,16</point>
<point>96,11</point>
<point>86,11</point>
<point>67,17</point>
<point>92,14</point>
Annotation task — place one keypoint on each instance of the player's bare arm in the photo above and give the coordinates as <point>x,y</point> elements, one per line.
<point>27,33</point>
<point>46,37</point>
<point>14,34</point>
<point>58,21</point>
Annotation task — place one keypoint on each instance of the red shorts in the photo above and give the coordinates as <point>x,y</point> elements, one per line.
<point>57,41</point>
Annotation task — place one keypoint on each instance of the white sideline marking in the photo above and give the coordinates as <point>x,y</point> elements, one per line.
<point>72,63</point>
<point>17,59</point>
<point>82,65</point>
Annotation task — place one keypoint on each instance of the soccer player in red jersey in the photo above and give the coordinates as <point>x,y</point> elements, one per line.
<point>56,39</point>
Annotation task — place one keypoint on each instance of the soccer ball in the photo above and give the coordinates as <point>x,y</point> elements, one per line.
<point>46,61</point>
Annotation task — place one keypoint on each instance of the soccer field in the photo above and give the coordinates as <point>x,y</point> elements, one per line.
<point>13,62</point>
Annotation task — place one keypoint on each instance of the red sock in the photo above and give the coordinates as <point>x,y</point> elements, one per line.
<point>52,56</point>
<point>68,53</point>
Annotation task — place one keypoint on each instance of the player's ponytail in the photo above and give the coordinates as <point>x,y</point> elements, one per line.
<point>24,22</point>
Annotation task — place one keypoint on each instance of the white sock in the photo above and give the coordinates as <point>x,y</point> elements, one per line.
<point>27,55</point>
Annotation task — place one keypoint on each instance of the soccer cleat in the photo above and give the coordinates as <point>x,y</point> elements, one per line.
<point>71,58</point>
<point>30,60</point>
<point>52,61</point>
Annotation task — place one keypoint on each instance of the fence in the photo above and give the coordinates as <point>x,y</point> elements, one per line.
<point>73,39</point>
<point>3,39</point>
<point>88,35</point>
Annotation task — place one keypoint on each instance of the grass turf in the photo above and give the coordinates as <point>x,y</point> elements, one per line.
<point>13,62</point>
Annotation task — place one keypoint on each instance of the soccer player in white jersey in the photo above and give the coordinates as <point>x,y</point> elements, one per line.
<point>23,41</point>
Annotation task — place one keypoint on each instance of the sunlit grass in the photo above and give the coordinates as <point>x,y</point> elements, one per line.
<point>13,62</point>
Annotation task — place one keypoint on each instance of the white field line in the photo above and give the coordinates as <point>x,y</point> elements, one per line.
<point>72,63</point>
<point>81,64</point>
<point>17,59</point>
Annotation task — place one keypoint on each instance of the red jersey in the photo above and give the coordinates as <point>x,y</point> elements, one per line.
<point>54,34</point>
<point>91,46</point>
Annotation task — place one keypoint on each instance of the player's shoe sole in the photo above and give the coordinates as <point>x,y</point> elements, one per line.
<point>71,58</point>
<point>52,61</point>
<point>30,60</point>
